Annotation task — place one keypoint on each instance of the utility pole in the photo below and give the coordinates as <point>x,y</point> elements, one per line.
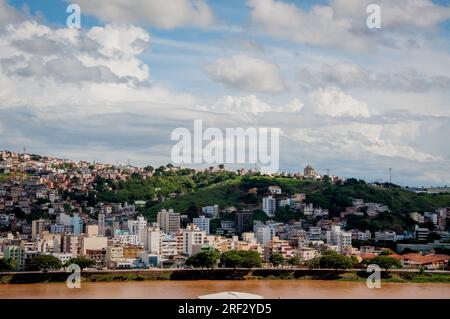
<point>390,175</point>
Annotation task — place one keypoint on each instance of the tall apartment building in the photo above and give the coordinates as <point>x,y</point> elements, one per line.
<point>244,221</point>
<point>151,237</point>
<point>264,233</point>
<point>269,205</point>
<point>71,244</point>
<point>17,255</point>
<point>193,240</point>
<point>169,221</point>
<point>138,227</point>
<point>134,226</point>
<point>101,224</point>
<point>202,223</point>
<point>37,227</point>
<point>339,238</point>
<point>77,223</point>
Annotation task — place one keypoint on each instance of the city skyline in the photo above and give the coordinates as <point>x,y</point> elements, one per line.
<point>248,167</point>
<point>349,99</point>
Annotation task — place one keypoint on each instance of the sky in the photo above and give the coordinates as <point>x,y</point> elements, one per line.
<point>348,99</point>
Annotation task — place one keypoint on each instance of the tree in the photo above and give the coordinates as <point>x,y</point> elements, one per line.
<point>149,169</point>
<point>277,259</point>
<point>45,263</point>
<point>386,262</point>
<point>294,261</point>
<point>6,265</point>
<point>231,259</point>
<point>81,262</point>
<point>204,259</point>
<point>241,258</point>
<point>336,261</point>
<point>250,259</point>
<point>313,263</point>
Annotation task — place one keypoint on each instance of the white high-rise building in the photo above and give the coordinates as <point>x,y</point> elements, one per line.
<point>269,206</point>
<point>139,227</point>
<point>202,223</point>
<point>345,240</point>
<point>339,238</point>
<point>169,245</point>
<point>151,238</point>
<point>193,240</point>
<point>134,226</point>
<point>264,233</point>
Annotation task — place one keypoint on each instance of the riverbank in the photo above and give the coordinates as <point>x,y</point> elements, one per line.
<point>397,276</point>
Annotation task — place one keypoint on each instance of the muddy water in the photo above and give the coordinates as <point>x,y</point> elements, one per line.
<point>285,289</point>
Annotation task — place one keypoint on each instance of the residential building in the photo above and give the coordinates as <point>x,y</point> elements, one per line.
<point>274,190</point>
<point>93,243</point>
<point>152,240</point>
<point>211,211</point>
<point>169,221</point>
<point>101,224</point>
<point>202,223</point>
<point>264,233</point>
<point>244,221</point>
<point>37,227</point>
<point>422,233</point>
<point>16,255</point>
<point>269,205</point>
<point>193,239</point>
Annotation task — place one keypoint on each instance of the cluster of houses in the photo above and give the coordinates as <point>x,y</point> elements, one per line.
<point>115,235</point>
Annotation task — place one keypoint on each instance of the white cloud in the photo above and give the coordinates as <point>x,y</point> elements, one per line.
<point>247,73</point>
<point>8,14</point>
<point>333,102</point>
<point>160,13</point>
<point>318,26</point>
<point>358,140</point>
<point>108,53</point>
<point>66,70</point>
<point>250,104</point>
<point>342,23</point>
<point>48,67</point>
<point>349,75</point>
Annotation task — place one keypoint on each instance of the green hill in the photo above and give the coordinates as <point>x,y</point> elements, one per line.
<point>202,189</point>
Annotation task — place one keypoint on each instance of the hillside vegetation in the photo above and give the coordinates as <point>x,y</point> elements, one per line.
<point>194,190</point>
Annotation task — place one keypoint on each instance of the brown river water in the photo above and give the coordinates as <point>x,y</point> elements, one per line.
<point>284,289</point>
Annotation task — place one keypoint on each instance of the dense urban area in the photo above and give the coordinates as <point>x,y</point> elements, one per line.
<point>56,212</point>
